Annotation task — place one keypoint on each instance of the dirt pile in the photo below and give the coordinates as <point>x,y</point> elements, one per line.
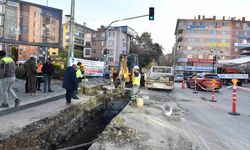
<point>118,132</point>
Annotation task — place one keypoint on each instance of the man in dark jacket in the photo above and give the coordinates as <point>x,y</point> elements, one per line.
<point>70,82</point>
<point>48,72</point>
<point>30,67</point>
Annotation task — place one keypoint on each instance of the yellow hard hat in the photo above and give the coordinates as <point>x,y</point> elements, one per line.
<point>82,65</point>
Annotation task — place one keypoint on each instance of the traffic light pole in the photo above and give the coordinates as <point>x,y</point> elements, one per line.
<point>130,18</point>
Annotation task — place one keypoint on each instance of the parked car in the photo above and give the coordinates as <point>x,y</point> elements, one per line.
<point>179,78</point>
<point>204,81</point>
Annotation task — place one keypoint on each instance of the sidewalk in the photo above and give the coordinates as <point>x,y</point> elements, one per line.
<point>28,101</point>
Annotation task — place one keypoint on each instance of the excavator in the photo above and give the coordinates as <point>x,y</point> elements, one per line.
<point>123,76</point>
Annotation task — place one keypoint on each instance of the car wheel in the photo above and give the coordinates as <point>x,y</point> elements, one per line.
<point>188,85</point>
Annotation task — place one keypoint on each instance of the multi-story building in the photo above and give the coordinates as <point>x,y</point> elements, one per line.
<point>118,40</point>
<point>98,43</point>
<point>199,40</point>
<point>79,36</point>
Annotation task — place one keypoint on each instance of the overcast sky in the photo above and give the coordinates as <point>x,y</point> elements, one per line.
<point>102,12</point>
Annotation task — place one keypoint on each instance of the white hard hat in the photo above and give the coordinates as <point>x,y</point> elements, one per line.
<point>136,67</point>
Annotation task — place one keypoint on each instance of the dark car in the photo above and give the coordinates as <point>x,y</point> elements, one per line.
<point>204,81</point>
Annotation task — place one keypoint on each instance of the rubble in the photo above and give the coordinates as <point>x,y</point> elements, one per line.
<point>118,132</point>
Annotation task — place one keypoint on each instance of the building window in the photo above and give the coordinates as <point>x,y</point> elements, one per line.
<point>87,51</point>
<point>109,34</point>
<point>191,23</point>
<point>237,25</point>
<point>103,34</point>
<point>110,59</point>
<point>213,40</point>
<point>102,43</point>
<point>189,47</point>
<point>213,24</point>
<point>245,25</point>
<point>202,31</point>
<point>93,51</point>
<point>94,35</point>
<point>245,33</point>
<point>223,32</point>
<point>223,40</point>
<point>202,23</point>
<point>224,24</point>
<point>213,32</point>
<point>237,33</point>
<point>113,33</point>
<point>191,31</point>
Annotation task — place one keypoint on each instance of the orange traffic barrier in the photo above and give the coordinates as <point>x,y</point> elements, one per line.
<point>213,92</point>
<point>234,98</point>
<point>183,84</point>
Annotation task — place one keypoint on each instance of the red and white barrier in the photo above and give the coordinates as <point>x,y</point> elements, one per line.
<point>183,84</point>
<point>234,101</point>
<point>213,93</point>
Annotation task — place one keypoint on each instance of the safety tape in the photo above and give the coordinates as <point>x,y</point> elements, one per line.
<point>247,89</point>
<point>230,87</point>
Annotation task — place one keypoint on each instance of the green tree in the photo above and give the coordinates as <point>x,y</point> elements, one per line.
<point>147,51</point>
<point>14,53</point>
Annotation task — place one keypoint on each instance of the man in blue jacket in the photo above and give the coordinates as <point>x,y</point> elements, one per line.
<point>70,82</point>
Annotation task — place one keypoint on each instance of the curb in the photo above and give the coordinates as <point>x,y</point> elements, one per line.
<point>34,104</point>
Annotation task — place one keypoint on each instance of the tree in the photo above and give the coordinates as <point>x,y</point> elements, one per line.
<point>14,53</point>
<point>147,51</point>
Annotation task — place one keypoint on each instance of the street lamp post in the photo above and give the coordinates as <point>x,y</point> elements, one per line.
<point>71,31</point>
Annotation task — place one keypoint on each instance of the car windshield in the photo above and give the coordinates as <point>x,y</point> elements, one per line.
<point>212,76</point>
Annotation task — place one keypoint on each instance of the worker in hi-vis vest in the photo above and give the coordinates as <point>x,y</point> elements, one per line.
<point>7,78</point>
<point>136,79</point>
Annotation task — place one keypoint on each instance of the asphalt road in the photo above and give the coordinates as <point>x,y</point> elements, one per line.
<point>209,124</point>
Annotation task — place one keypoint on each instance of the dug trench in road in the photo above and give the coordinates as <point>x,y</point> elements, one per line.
<point>53,123</point>
<point>210,123</point>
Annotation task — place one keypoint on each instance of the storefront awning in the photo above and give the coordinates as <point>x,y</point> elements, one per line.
<point>236,61</point>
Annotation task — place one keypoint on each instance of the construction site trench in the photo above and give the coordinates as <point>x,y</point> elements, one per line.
<point>79,124</point>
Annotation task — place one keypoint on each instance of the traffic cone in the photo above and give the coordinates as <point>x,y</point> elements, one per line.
<point>234,101</point>
<point>183,84</point>
<point>213,95</point>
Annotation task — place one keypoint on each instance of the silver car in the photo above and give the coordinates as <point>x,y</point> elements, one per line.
<point>178,78</point>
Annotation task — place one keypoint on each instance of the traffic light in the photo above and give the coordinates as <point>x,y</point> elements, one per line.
<point>151,13</point>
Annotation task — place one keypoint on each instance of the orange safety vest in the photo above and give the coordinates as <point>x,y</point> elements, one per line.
<point>39,68</point>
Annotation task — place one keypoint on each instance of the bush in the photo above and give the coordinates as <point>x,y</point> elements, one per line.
<point>20,72</point>
<point>58,72</point>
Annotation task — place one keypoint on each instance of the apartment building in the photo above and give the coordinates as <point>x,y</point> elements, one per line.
<point>198,40</point>
<point>118,40</point>
<point>98,43</point>
<point>79,35</point>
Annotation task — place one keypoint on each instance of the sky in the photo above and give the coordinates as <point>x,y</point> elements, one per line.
<point>101,12</point>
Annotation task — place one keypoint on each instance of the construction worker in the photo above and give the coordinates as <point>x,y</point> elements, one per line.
<point>136,79</point>
<point>79,77</point>
<point>7,78</point>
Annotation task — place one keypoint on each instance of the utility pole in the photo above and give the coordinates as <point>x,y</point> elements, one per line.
<point>71,32</point>
<point>47,2</point>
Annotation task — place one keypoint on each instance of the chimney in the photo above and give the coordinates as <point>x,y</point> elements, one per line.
<point>203,17</point>
<point>223,18</point>
<point>243,18</point>
<point>84,24</point>
<point>199,17</point>
<point>214,17</point>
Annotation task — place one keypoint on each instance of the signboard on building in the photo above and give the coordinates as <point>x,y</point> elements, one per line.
<point>242,44</point>
<point>218,44</point>
<point>193,60</point>
<point>92,68</point>
<point>194,68</point>
<point>31,24</point>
